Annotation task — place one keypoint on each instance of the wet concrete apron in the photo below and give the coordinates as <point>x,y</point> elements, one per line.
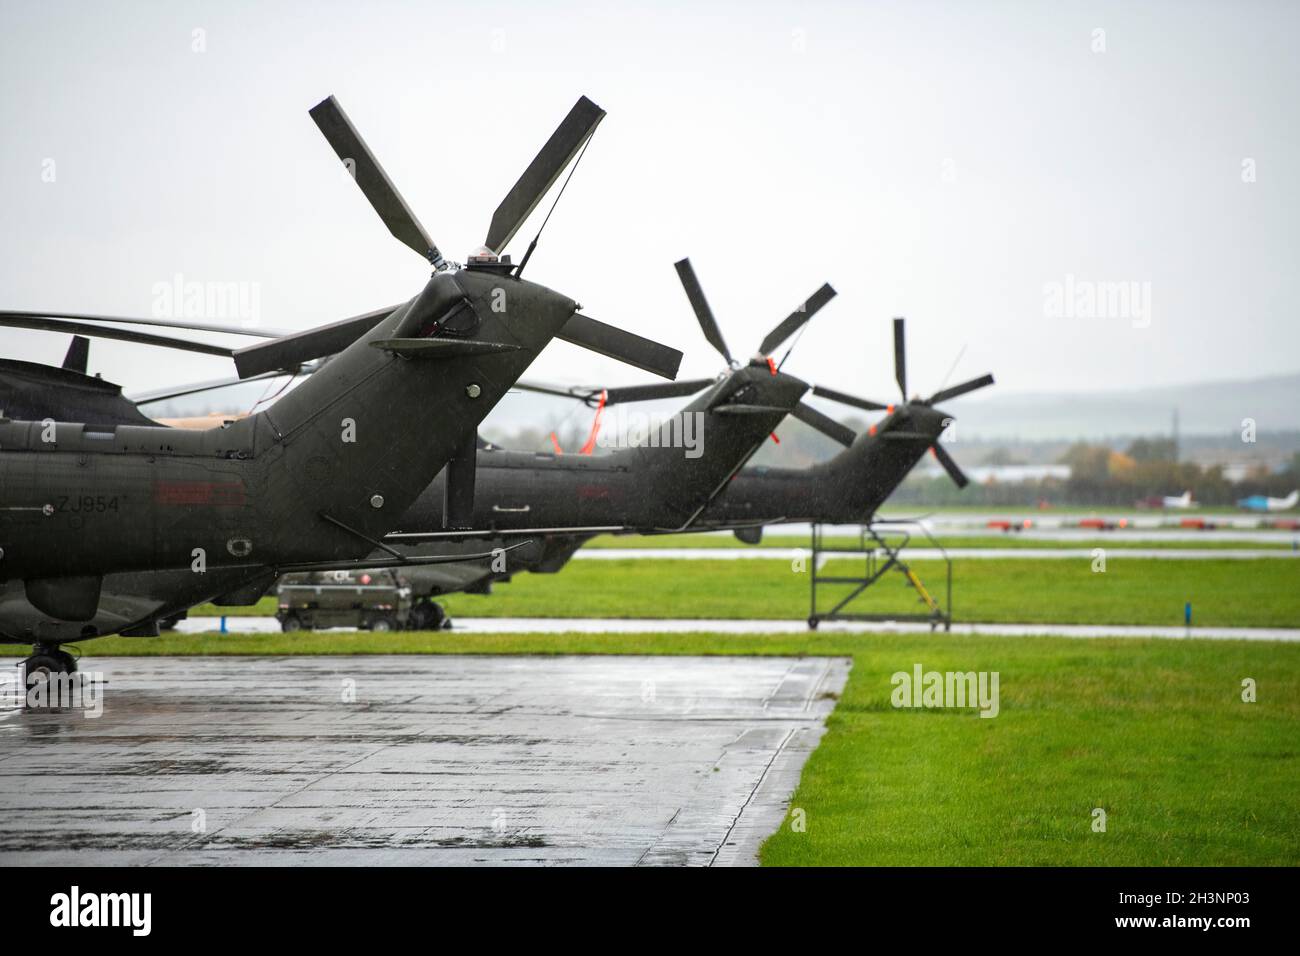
<point>413,760</point>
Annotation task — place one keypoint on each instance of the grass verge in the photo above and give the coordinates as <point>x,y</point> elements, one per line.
<point>1260,593</point>
<point>1154,733</point>
<point>1280,541</point>
<point>1235,593</point>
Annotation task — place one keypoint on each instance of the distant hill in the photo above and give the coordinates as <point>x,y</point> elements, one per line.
<point>1204,408</point>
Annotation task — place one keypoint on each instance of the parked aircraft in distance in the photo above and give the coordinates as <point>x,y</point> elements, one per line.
<point>1265,503</point>
<point>1168,502</point>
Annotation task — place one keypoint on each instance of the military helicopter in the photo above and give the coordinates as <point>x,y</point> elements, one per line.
<point>308,484</point>
<point>534,494</point>
<point>658,485</point>
<point>849,488</point>
<point>655,486</point>
<point>560,503</point>
<point>846,489</point>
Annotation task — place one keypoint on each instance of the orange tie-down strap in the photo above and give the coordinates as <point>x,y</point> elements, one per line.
<point>590,446</point>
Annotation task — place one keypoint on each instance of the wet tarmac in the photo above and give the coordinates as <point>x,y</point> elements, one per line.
<point>562,625</point>
<point>412,760</point>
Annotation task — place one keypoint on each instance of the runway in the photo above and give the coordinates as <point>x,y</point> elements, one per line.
<point>934,554</point>
<point>413,760</point>
<point>1134,519</point>
<point>1058,529</point>
<point>561,625</point>
<point>1289,538</point>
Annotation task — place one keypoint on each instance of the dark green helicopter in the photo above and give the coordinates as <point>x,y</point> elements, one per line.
<point>313,482</point>
<point>674,473</point>
<point>846,489</point>
<point>559,503</point>
<point>661,485</point>
<point>850,487</point>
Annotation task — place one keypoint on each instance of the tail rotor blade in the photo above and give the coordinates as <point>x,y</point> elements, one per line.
<point>458,487</point>
<point>615,396</point>
<point>796,319</point>
<point>950,466</point>
<point>370,176</point>
<point>541,174</point>
<point>824,424</point>
<point>649,393</point>
<point>900,356</point>
<point>701,306</point>
<point>627,347</point>
<point>845,399</point>
<point>946,393</point>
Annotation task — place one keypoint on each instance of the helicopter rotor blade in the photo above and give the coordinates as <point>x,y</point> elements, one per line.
<point>791,323</point>
<point>946,393</point>
<point>371,178</point>
<point>824,424</point>
<point>900,356</point>
<point>45,323</point>
<point>15,317</point>
<point>626,347</point>
<point>846,399</point>
<point>703,313</point>
<point>197,388</point>
<point>290,351</point>
<point>560,391</point>
<point>950,466</point>
<point>541,174</point>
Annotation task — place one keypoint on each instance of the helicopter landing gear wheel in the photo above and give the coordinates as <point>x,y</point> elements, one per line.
<point>46,661</point>
<point>429,616</point>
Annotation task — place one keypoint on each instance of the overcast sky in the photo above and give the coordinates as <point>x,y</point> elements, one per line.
<point>944,161</point>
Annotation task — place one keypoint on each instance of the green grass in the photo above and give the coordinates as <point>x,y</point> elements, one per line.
<point>1237,593</point>
<point>1262,593</point>
<point>1153,732</point>
<point>1011,541</point>
<point>265,607</point>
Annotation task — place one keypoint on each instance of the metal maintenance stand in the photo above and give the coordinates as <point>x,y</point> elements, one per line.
<point>880,556</point>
